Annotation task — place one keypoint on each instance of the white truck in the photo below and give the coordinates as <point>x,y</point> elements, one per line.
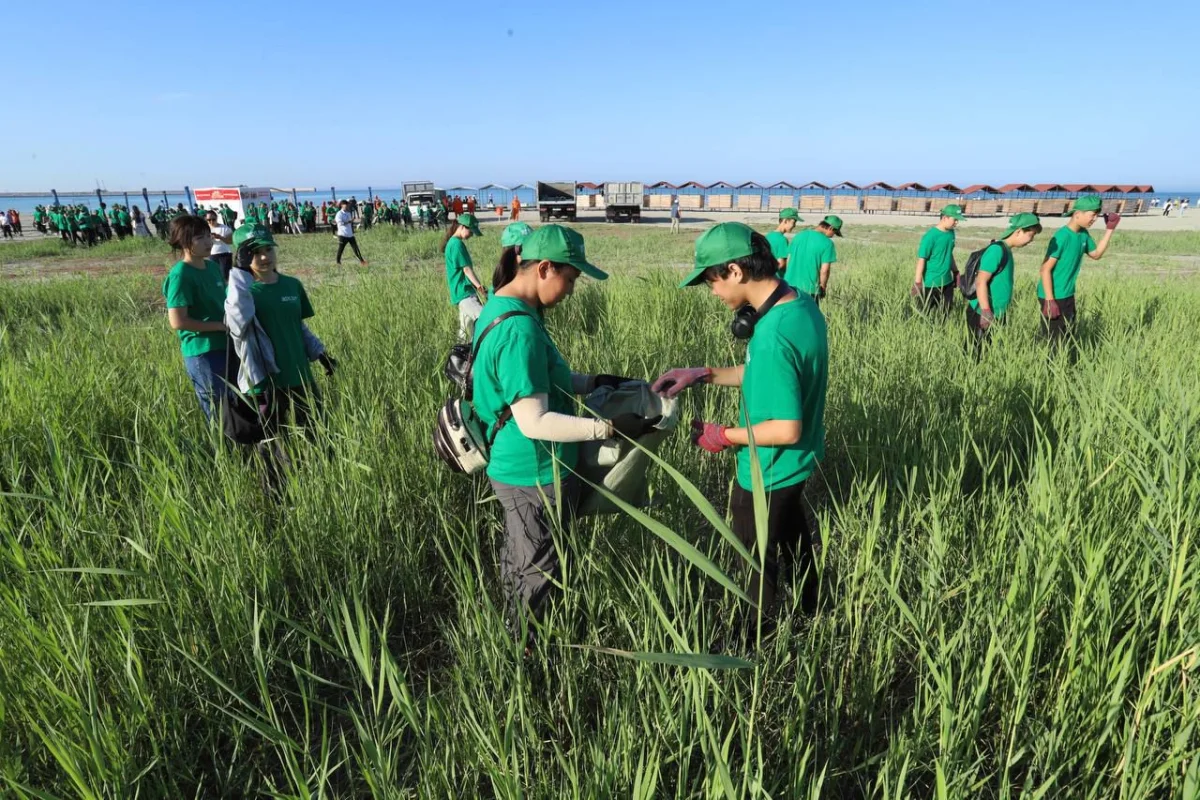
<point>623,201</point>
<point>556,199</point>
<point>418,193</point>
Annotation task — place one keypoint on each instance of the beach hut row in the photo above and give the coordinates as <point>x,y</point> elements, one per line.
<point>884,198</point>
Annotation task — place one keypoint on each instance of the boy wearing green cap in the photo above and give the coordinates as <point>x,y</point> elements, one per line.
<point>1064,255</point>
<point>783,385</point>
<point>937,274</point>
<point>994,281</point>
<point>810,257</point>
<point>789,218</point>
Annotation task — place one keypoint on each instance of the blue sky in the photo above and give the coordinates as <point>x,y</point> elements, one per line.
<point>313,94</point>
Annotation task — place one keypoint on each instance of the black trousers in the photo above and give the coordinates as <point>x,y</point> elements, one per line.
<point>1056,330</point>
<point>789,542</point>
<point>979,334</point>
<point>937,299</point>
<point>348,240</point>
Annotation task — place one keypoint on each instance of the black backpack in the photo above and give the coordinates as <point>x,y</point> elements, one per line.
<point>966,281</point>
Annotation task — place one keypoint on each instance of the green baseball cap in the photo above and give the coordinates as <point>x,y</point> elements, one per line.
<point>259,236</point>
<point>1018,221</point>
<point>1089,202</point>
<point>834,222</point>
<point>954,211</point>
<point>562,246</point>
<point>470,223</point>
<point>515,233</point>
<point>719,245</point>
<point>789,213</point>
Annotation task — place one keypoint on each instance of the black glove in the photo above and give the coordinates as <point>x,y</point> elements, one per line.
<point>245,257</point>
<point>612,381</point>
<point>633,425</point>
<point>328,363</point>
<point>821,293</point>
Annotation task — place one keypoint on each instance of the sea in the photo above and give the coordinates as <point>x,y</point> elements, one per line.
<point>26,203</point>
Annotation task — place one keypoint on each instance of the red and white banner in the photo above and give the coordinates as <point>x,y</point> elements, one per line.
<point>236,197</point>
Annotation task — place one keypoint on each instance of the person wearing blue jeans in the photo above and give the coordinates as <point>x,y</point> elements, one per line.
<point>195,293</point>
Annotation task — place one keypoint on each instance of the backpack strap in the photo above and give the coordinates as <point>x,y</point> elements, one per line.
<point>1005,257</point>
<point>506,413</point>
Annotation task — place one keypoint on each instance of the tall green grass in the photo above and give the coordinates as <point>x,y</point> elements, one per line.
<point>1009,606</point>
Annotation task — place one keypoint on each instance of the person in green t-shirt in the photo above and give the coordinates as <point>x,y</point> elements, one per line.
<point>810,257</point>
<point>994,281</point>
<point>277,305</point>
<point>466,290</point>
<point>783,385</point>
<point>937,272</point>
<point>524,393</point>
<point>789,218</point>
<point>1064,255</point>
<point>195,293</point>
<point>406,216</point>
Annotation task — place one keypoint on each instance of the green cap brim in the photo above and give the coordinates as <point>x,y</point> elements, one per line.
<point>591,270</point>
<point>958,215</point>
<point>695,277</point>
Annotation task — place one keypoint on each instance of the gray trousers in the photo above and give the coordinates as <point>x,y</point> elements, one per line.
<point>529,564</point>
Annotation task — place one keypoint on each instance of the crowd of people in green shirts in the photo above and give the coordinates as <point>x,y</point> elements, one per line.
<point>83,226</point>
<point>525,394</point>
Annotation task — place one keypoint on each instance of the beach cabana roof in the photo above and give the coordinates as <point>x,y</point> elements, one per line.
<point>847,185</point>
<point>1049,187</point>
<point>880,185</point>
<point>1016,187</point>
<point>1080,187</point>
<point>912,187</point>
<point>781,185</point>
<point>945,187</point>
<point>750,185</point>
<point>980,187</point>
<point>662,185</point>
<point>813,185</point>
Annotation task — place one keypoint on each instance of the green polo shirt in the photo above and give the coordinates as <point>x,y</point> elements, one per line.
<point>786,375</point>
<point>809,250</point>
<point>997,259</point>
<point>280,308</point>
<point>202,293</point>
<point>937,248</point>
<point>1069,247</point>
<point>519,360</point>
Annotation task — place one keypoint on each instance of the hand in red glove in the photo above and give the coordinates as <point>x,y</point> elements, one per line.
<point>1050,309</point>
<point>674,381</point>
<point>710,436</point>
<point>986,318</point>
<point>915,291</point>
<point>1111,221</point>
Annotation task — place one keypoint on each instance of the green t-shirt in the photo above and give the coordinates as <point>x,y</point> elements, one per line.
<point>280,308</point>
<point>123,218</point>
<point>997,258</point>
<point>457,260</point>
<point>779,244</point>
<point>787,372</point>
<point>809,250</point>
<point>518,360</point>
<point>1069,247</point>
<point>202,293</point>
<point>937,248</point>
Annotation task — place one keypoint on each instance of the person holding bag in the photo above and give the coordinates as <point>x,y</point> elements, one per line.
<point>524,393</point>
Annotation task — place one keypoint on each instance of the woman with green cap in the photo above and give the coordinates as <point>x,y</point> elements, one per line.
<point>524,392</point>
<point>466,290</point>
<point>1064,255</point>
<point>510,254</point>
<point>994,279</point>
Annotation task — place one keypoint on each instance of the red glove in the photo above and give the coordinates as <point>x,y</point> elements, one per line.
<point>1111,221</point>
<point>710,436</point>
<point>915,291</point>
<point>1050,309</point>
<point>986,318</point>
<point>674,381</point>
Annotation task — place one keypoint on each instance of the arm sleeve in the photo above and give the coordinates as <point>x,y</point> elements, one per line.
<point>830,253</point>
<point>925,249</point>
<point>177,292</point>
<point>1089,244</point>
<point>314,348</point>
<point>1054,249</point>
<point>991,260</point>
<point>774,391</point>
<point>536,421</point>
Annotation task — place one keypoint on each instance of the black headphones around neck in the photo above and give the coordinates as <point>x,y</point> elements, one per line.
<point>746,317</point>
